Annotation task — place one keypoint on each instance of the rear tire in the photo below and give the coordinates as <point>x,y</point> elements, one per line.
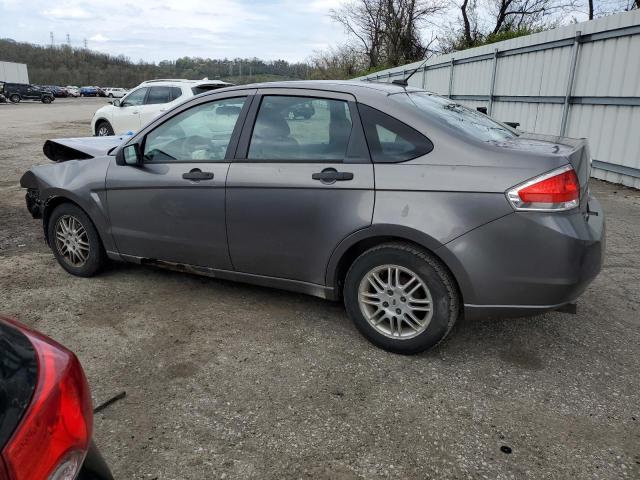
<point>46,100</point>
<point>14,98</point>
<point>401,298</point>
<point>74,241</point>
<point>104,129</point>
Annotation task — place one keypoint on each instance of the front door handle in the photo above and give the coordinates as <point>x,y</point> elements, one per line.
<point>331,175</point>
<point>197,174</point>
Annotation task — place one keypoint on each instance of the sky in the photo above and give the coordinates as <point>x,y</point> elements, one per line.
<point>168,29</point>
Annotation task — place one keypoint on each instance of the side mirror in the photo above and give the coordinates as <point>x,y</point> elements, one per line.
<point>130,155</point>
<point>115,103</point>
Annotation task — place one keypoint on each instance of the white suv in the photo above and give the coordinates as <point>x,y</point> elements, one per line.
<point>113,92</point>
<point>145,102</point>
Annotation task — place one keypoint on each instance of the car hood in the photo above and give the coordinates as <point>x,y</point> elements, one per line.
<point>63,149</point>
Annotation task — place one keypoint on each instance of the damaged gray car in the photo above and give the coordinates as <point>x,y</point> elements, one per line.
<point>410,208</point>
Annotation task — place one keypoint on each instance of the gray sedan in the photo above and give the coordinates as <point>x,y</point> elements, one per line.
<point>411,208</point>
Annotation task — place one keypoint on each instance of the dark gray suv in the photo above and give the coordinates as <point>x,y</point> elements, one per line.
<point>411,208</point>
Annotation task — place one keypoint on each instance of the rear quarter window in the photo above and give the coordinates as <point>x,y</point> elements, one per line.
<point>390,140</point>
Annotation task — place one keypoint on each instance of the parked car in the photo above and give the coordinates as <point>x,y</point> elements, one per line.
<point>46,418</point>
<point>88,92</point>
<point>16,92</point>
<point>411,208</point>
<point>3,99</point>
<point>73,91</point>
<point>113,92</point>
<point>57,92</point>
<point>145,102</point>
<point>302,110</point>
<point>100,92</point>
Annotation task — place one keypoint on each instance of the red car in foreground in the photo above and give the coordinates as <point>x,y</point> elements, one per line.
<point>46,417</point>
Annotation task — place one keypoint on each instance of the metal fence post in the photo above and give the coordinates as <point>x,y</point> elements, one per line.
<point>572,74</point>
<point>451,78</point>
<point>424,77</point>
<point>493,81</point>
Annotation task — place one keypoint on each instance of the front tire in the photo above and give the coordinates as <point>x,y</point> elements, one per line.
<point>46,100</point>
<point>104,129</point>
<point>74,241</point>
<point>14,98</point>
<point>401,298</point>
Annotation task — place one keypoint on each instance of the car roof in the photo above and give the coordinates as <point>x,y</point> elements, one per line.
<point>346,86</point>
<point>173,81</point>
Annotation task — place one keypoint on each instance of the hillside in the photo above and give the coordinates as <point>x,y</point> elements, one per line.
<point>64,65</point>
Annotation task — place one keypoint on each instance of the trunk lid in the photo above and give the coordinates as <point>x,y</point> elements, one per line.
<point>63,149</point>
<point>574,150</point>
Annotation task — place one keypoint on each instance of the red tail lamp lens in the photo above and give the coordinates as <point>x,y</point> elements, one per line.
<point>556,190</point>
<point>52,439</point>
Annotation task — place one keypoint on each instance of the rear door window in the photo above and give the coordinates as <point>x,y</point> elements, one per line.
<point>176,92</point>
<point>390,140</point>
<point>158,95</point>
<point>290,128</point>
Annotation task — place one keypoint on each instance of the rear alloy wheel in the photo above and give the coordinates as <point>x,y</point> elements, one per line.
<point>75,241</point>
<point>104,129</point>
<point>14,98</point>
<point>401,298</point>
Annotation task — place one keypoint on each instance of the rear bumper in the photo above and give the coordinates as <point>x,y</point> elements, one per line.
<point>94,466</point>
<point>527,262</point>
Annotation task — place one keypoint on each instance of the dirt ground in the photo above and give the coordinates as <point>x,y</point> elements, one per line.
<point>225,380</point>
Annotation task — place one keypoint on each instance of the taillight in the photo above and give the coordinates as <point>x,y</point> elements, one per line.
<point>554,191</point>
<point>53,437</point>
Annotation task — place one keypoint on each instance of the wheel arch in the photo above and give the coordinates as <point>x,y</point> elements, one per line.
<point>55,201</point>
<point>359,242</point>
<point>98,122</point>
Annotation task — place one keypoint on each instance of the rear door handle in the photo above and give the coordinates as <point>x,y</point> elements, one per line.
<point>331,175</point>
<point>197,174</point>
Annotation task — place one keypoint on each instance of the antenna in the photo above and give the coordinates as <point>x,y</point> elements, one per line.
<point>68,40</point>
<point>85,43</point>
<point>405,81</point>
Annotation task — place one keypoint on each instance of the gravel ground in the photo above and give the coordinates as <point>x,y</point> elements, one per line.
<point>225,380</point>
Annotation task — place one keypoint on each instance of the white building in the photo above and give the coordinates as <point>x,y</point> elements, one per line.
<point>13,72</point>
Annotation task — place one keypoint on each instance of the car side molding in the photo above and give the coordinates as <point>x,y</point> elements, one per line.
<point>320,291</point>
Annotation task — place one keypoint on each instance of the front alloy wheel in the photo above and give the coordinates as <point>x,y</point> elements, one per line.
<point>104,129</point>
<point>72,241</point>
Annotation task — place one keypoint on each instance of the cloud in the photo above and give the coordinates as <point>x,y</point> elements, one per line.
<point>99,38</point>
<point>72,13</point>
<point>155,30</point>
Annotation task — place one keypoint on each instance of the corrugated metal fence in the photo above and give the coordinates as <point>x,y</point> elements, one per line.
<point>582,80</point>
<point>13,72</point>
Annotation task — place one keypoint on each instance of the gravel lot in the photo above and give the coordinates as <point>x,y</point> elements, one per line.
<point>225,380</point>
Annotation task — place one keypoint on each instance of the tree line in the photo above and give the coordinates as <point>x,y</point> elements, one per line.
<point>64,65</point>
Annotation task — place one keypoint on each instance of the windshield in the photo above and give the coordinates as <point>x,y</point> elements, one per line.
<point>468,121</point>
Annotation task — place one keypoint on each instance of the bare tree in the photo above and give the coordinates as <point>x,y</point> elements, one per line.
<point>601,8</point>
<point>388,31</point>
<point>364,19</point>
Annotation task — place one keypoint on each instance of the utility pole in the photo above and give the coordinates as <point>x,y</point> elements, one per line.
<point>52,42</point>
<point>85,43</point>
<point>68,40</point>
